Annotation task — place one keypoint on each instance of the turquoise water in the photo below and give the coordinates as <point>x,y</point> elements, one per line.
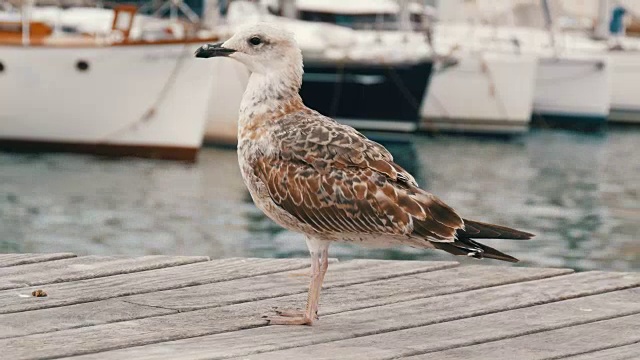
<point>579,192</point>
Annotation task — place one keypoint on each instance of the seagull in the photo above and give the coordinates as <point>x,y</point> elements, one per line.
<point>313,175</point>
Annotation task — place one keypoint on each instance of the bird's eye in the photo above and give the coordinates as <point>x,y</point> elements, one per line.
<point>255,41</point>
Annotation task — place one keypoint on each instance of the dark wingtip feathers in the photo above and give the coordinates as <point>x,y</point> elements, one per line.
<point>470,248</point>
<point>465,245</point>
<point>480,230</point>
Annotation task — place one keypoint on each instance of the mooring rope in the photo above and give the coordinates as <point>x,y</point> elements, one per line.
<point>151,111</point>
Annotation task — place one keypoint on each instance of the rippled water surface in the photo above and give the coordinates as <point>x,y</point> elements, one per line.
<point>579,192</point>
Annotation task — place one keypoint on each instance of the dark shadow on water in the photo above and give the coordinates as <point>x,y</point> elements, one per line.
<point>578,124</point>
<point>219,145</point>
<point>479,136</point>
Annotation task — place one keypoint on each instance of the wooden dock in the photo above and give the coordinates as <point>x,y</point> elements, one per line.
<point>172,307</point>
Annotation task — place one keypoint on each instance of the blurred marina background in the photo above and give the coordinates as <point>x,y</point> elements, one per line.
<point>523,113</point>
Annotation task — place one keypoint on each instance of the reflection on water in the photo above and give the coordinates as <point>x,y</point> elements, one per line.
<point>580,194</point>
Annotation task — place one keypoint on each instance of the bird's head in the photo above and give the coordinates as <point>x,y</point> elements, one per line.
<point>263,47</point>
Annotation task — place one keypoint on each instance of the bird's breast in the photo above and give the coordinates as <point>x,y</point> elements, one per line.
<point>249,153</point>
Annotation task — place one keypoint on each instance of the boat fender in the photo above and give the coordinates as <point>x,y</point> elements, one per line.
<point>616,26</point>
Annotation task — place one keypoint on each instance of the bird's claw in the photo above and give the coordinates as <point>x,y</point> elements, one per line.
<point>289,317</point>
<point>289,312</point>
<point>289,320</point>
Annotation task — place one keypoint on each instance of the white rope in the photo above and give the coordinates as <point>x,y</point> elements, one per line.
<point>502,109</point>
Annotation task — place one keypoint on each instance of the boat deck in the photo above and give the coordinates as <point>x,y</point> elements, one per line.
<point>176,307</point>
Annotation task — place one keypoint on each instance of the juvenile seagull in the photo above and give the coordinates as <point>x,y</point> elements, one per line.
<point>315,176</point>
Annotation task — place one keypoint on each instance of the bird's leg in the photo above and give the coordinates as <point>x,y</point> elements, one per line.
<point>296,317</point>
<point>324,265</point>
<point>324,262</point>
<point>319,264</point>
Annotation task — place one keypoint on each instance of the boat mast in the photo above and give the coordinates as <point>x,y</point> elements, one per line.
<point>288,8</point>
<point>175,7</point>
<point>404,17</point>
<point>211,15</point>
<point>601,31</point>
<point>25,16</point>
<point>548,20</point>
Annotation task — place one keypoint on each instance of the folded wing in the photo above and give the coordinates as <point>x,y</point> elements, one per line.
<point>354,200</point>
<point>334,179</point>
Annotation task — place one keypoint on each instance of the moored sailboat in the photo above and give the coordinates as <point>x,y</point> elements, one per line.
<point>105,94</point>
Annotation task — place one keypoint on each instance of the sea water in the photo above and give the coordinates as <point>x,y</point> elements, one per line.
<point>580,193</point>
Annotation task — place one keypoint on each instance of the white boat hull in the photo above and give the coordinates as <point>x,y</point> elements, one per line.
<point>481,94</point>
<point>574,88</point>
<point>222,118</point>
<point>140,100</point>
<point>625,86</point>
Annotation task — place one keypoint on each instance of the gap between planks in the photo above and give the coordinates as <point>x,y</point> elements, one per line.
<point>241,316</point>
<point>626,352</point>
<point>380,325</point>
<point>436,340</point>
<point>344,288</point>
<point>86,267</point>
<point>199,297</point>
<point>8,260</point>
<point>90,290</point>
<point>556,343</point>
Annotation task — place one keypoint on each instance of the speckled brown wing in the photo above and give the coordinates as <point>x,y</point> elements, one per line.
<point>334,179</point>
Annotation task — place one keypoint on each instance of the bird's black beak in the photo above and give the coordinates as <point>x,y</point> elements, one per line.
<point>211,50</point>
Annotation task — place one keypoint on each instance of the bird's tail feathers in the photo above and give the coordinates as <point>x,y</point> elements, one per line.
<point>468,247</point>
<point>480,230</point>
<point>464,244</point>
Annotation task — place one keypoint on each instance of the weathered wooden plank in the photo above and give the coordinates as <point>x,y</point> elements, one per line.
<point>86,267</point>
<point>282,284</point>
<point>220,294</point>
<point>415,313</point>
<point>440,336</point>
<point>21,259</point>
<point>421,286</point>
<point>74,316</point>
<point>75,292</point>
<point>627,352</point>
<point>247,315</point>
<point>550,344</point>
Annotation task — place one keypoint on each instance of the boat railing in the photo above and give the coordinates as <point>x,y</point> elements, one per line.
<point>23,30</point>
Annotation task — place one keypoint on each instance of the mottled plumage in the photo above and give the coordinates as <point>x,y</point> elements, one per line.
<point>324,179</point>
<point>335,180</point>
